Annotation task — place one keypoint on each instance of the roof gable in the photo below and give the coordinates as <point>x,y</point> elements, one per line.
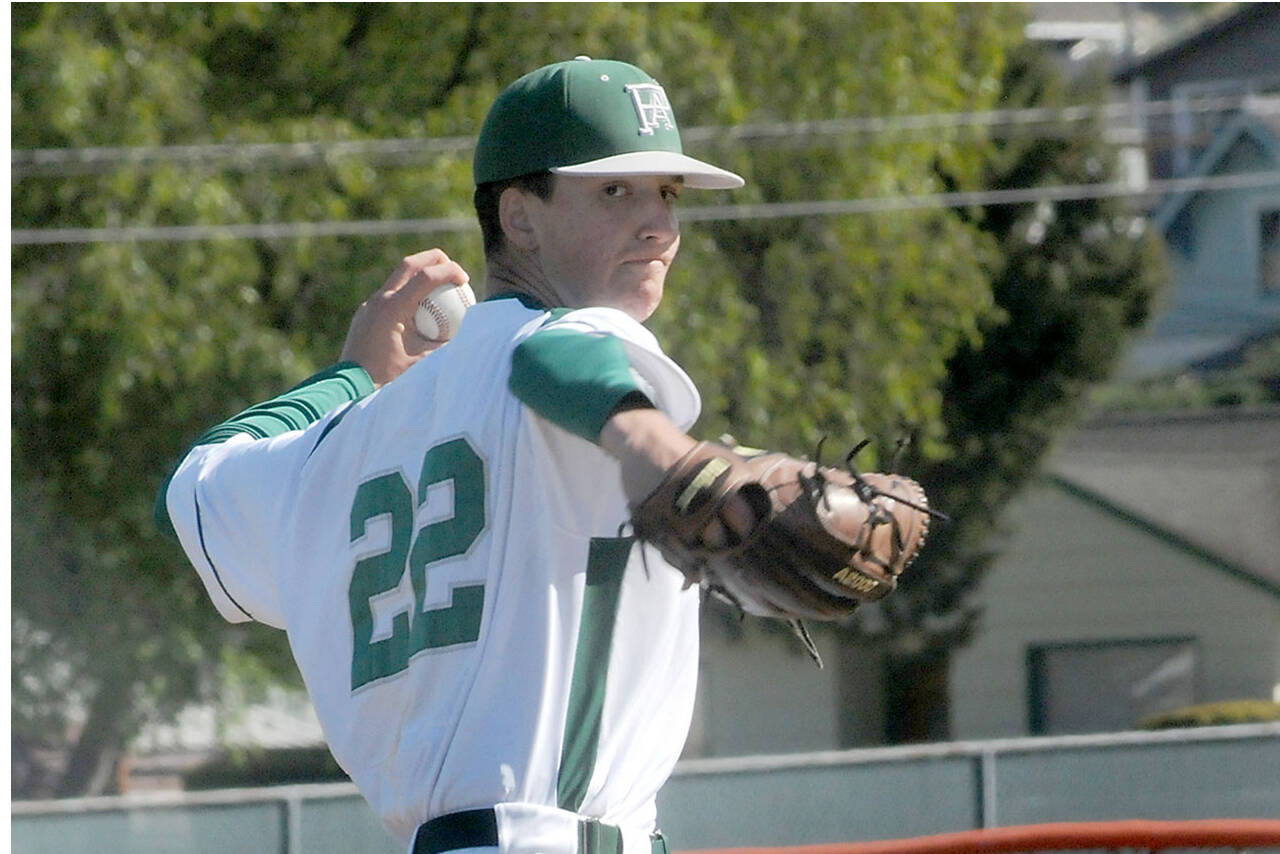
<point>1218,28</point>
<point>1207,482</point>
<point>1169,537</point>
<point>1243,126</point>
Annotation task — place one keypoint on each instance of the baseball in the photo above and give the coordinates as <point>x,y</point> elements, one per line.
<point>440,312</point>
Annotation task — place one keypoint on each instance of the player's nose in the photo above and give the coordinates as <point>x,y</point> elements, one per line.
<point>659,222</point>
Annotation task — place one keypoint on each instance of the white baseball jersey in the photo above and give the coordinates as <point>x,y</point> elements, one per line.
<point>471,625</point>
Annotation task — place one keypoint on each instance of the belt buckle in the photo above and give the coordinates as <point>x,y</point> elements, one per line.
<point>596,837</point>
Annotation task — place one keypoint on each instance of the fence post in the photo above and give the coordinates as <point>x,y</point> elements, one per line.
<point>990,808</point>
<point>292,823</point>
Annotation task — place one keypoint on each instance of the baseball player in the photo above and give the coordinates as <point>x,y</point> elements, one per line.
<point>493,663</point>
<point>444,536</point>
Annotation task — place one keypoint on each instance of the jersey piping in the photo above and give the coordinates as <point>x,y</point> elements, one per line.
<point>324,434</point>
<point>204,547</point>
<point>606,562</point>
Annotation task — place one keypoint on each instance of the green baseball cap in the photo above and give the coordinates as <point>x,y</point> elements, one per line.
<point>589,117</point>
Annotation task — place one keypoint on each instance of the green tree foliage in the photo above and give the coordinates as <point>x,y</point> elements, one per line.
<point>122,352</point>
<point>1072,281</point>
<point>842,325</point>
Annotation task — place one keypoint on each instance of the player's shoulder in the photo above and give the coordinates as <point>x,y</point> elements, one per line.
<point>602,320</point>
<point>662,380</point>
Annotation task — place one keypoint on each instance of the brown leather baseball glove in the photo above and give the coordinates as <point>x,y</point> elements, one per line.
<point>823,541</point>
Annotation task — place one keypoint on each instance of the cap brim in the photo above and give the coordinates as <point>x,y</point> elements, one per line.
<point>696,174</point>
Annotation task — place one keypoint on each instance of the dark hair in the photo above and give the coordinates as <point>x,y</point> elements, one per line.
<point>486,202</point>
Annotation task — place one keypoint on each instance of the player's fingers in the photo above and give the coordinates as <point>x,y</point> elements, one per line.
<point>410,266</point>
<point>429,278</point>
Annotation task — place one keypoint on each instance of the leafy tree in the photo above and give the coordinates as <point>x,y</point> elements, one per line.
<point>1073,281</point>
<point>844,323</point>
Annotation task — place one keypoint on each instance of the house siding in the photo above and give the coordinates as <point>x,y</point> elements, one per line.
<point>1090,575</point>
<point>758,692</point>
<point>1216,299</point>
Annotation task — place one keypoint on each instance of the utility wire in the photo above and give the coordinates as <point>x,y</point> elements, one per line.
<point>86,161</point>
<point>990,118</point>
<point>1020,195</point>
<point>705,213</point>
<point>95,160</point>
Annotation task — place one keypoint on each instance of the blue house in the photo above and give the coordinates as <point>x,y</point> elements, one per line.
<point>1213,111</point>
<point>1224,252</point>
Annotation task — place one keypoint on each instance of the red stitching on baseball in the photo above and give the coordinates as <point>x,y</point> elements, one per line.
<point>441,319</point>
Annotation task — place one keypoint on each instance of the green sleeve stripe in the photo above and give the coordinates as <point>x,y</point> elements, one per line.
<point>297,408</point>
<point>573,379</point>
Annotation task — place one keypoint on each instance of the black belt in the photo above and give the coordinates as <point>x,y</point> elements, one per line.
<point>479,829</point>
<point>470,829</point>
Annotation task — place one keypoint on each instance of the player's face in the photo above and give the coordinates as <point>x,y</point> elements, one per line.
<point>608,241</point>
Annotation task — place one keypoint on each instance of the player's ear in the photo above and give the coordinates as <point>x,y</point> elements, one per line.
<point>513,214</point>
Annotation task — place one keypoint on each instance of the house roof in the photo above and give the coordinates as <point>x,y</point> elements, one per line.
<point>1208,481</point>
<point>1218,27</point>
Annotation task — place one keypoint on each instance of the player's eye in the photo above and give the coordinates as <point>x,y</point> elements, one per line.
<point>671,193</point>
<point>616,190</point>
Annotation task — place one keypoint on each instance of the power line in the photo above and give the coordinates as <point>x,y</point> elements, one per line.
<point>84,161</point>
<point>1020,195</point>
<point>991,118</point>
<point>240,231</point>
<point>706,213</point>
<point>95,160</point>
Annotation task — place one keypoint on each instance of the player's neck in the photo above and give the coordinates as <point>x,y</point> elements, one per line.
<point>510,271</point>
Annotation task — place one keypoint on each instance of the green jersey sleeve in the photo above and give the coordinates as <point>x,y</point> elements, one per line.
<point>574,379</point>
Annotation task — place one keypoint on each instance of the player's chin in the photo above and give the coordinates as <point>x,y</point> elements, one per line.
<point>641,299</point>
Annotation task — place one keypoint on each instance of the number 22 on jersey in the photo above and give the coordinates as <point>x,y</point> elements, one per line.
<point>416,629</point>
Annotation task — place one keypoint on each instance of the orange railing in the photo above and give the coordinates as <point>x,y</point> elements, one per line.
<point>1060,836</point>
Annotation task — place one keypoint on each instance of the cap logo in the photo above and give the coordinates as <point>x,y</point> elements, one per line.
<point>652,107</point>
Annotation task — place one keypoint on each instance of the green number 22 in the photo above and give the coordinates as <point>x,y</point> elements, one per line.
<point>417,629</point>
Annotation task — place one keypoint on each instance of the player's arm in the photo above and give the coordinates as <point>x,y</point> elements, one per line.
<point>381,344</point>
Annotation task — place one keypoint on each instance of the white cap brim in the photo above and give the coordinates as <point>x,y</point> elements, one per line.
<point>696,174</point>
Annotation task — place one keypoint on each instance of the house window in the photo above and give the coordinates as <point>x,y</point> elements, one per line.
<point>1110,685</point>
<point>1269,252</point>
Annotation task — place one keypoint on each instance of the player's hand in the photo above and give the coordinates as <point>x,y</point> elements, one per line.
<point>382,338</point>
